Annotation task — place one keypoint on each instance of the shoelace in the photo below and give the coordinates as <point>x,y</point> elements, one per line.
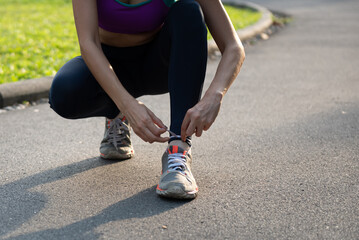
<point>116,131</point>
<point>176,162</point>
<point>174,136</point>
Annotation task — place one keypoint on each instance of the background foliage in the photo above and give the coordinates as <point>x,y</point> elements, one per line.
<point>38,36</point>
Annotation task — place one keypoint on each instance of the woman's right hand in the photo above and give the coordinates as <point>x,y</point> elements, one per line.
<point>145,123</point>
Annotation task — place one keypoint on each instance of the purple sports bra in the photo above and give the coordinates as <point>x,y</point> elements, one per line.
<point>119,17</point>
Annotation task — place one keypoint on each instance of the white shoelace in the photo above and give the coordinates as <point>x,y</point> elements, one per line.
<point>116,131</point>
<point>172,134</point>
<point>176,162</point>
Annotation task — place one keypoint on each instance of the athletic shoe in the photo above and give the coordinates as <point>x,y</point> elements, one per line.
<point>116,144</point>
<point>177,180</point>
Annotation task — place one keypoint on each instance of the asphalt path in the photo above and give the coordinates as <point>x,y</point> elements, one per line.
<point>280,162</point>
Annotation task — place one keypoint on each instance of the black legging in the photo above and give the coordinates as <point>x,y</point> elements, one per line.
<point>175,62</point>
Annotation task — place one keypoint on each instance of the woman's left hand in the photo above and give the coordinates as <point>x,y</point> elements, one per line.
<point>201,116</point>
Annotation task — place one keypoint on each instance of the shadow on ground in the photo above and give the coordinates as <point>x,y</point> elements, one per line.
<point>18,205</point>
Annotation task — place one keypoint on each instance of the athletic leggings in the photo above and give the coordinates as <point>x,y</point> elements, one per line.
<point>175,62</point>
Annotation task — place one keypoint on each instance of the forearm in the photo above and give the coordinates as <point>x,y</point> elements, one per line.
<point>104,74</point>
<point>227,71</point>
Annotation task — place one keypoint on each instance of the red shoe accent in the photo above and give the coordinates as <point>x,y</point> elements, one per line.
<point>174,149</point>
<point>158,188</point>
<point>193,192</point>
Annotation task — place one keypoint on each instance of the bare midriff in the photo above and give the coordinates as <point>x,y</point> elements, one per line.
<point>126,40</point>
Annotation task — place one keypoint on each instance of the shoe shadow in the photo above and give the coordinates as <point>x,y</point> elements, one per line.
<point>141,205</point>
<point>18,204</point>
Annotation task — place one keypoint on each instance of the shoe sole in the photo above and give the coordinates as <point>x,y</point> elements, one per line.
<point>116,156</point>
<point>177,193</point>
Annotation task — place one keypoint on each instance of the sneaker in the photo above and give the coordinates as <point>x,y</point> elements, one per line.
<point>177,180</point>
<point>116,144</point>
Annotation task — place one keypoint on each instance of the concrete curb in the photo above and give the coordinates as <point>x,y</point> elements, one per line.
<point>34,89</point>
<point>27,90</point>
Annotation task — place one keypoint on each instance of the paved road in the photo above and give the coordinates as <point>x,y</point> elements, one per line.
<point>281,162</point>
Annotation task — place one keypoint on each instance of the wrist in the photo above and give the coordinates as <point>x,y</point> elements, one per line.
<point>125,102</point>
<point>214,95</point>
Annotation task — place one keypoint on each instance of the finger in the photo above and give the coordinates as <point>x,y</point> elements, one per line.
<point>207,126</point>
<point>141,135</point>
<point>152,132</point>
<point>149,135</point>
<point>162,139</point>
<point>153,127</point>
<point>155,130</point>
<point>141,131</point>
<point>185,123</point>
<point>191,128</point>
<point>147,131</point>
<point>156,120</point>
<point>199,131</point>
<point>153,138</point>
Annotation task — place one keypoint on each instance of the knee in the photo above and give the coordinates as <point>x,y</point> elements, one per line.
<point>59,96</point>
<point>67,86</point>
<point>188,15</point>
<point>63,94</point>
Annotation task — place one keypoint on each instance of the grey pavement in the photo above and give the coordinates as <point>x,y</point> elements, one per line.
<point>280,162</point>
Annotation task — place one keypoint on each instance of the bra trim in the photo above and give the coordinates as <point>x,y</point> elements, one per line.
<point>167,2</point>
<point>133,5</point>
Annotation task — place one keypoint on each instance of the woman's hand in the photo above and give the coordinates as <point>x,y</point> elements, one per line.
<point>145,123</point>
<point>201,116</point>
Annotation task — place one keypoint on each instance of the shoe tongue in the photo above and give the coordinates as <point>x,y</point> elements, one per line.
<point>175,149</point>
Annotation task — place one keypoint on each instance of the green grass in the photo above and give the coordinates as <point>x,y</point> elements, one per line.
<point>241,17</point>
<point>38,36</point>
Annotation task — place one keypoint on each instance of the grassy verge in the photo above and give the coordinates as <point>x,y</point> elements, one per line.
<point>38,36</point>
<point>241,17</point>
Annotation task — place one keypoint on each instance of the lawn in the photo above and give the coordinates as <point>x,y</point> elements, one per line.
<point>242,17</point>
<point>38,36</point>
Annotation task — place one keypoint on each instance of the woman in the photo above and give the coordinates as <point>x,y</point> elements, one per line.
<point>131,48</point>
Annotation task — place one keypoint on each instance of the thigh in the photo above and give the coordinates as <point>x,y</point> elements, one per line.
<point>72,81</point>
<point>155,66</point>
<point>126,63</point>
<point>75,93</point>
